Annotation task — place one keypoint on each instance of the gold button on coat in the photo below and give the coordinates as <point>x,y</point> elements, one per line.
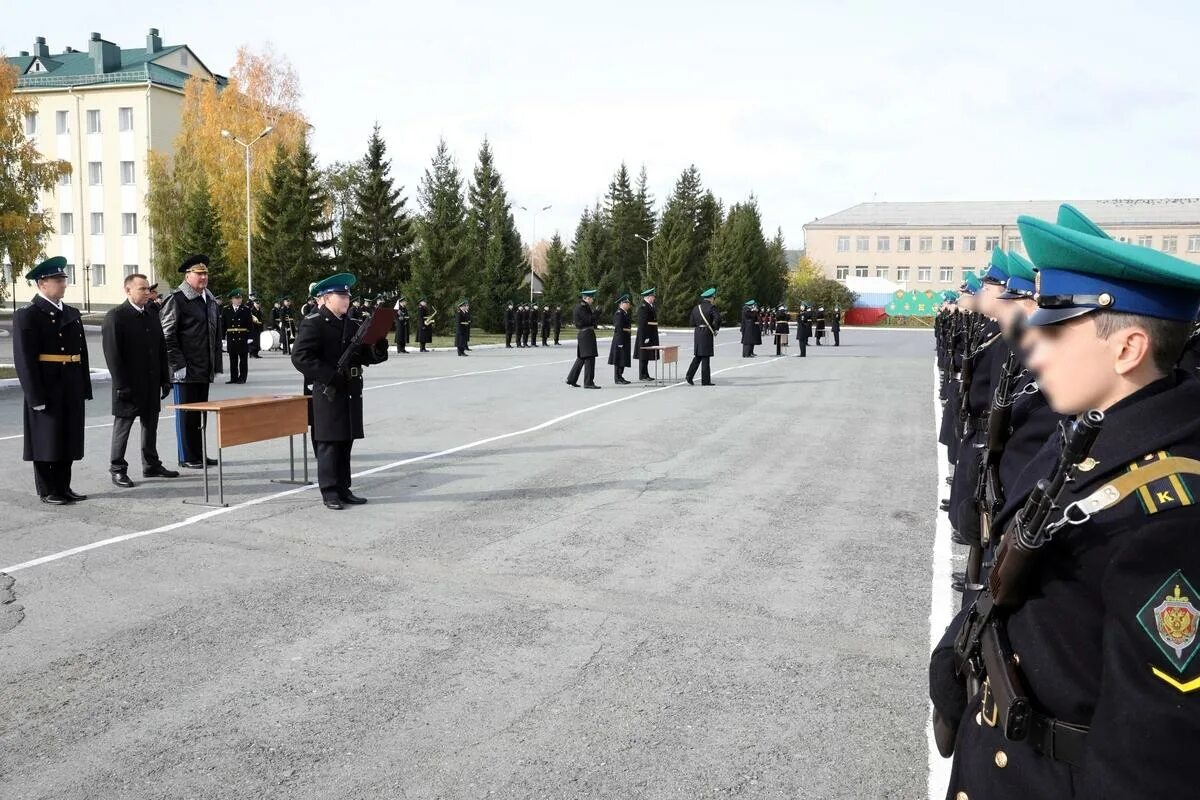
<point>961,796</point>
<point>1001,759</point>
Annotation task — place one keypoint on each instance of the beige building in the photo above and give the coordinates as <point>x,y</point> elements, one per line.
<point>931,245</point>
<point>103,110</point>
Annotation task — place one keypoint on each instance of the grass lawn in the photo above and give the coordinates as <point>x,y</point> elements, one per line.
<point>482,337</point>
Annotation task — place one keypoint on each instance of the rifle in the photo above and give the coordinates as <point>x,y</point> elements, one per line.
<point>982,651</point>
<point>973,332</point>
<point>347,355</point>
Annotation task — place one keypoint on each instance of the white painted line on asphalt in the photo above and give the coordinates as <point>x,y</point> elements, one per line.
<point>216,512</point>
<point>941,594</point>
<point>85,427</point>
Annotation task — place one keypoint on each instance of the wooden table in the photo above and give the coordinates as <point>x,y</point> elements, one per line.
<point>244,420</point>
<point>667,354</point>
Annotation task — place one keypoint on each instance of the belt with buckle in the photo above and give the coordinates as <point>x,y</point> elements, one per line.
<point>1048,736</point>
<point>59,359</point>
<point>236,330</point>
<point>356,372</point>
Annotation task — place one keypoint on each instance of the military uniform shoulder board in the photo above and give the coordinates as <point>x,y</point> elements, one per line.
<point>1167,492</point>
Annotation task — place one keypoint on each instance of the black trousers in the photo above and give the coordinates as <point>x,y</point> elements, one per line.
<point>52,477</point>
<point>803,342</point>
<point>533,338</point>
<point>837,338</point>
<point>747,350</point>
<point>120,440</point>
<point>285,340</point>
<point>556,337</point>
<point>508,338</point>
<point>588,365</point>
<point>333,468</point>
<point>778,346</point>
<point>187,423</point>
<point>238,364</point>
<point>701,363</point>
<point>643,366</point>
<point>618,373</point>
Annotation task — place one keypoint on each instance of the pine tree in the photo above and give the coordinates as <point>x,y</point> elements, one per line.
<point>677,251</point>
<point>443,254</point>
<point>775,284</point>
<point>201,233</point>
<point>497,267</point>
<point>625,257</point>
<point>556,288</point>
<point>378,235</point>
<point>738,259</point>
<point>589,249</point>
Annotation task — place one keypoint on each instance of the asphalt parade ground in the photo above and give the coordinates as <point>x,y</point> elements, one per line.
<point>640,592</point>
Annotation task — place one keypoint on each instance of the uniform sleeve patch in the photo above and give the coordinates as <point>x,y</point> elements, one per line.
<point>1164,493</point>
<point>1170,620</point>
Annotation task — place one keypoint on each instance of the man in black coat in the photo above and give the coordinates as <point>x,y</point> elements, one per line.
<point>287,332</point>
<point>136,355</point>
<point>257,315</point>
<point>620,352</point>
<point>545,326</point>
<point>782,329</point>
<point>803,330</point>
<point>236,325</point>
<point>462,327</point>
<point>751,333</point>
<point>402,325</point>
<point>706,321</point>
<point>51,359</point>
<point>534,322</point>
<point>557,323</point>
<point>510,324</point>
<point>425,316</point>
<point>835,326</point>
<point>820,332</point>
<point>191,325</point>
<point>585,342</point>
<point>337,419</point>
<point>647,333</point>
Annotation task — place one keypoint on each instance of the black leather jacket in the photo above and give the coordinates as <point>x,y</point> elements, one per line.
<point>192,329</point>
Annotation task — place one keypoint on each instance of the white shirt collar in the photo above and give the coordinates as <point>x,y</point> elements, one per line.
<point>135,305</point>
<point>56,303</point>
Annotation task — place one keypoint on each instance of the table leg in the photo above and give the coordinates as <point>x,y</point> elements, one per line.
<point>292,461</point>
<point>204,460</point>
<point>220,475</point>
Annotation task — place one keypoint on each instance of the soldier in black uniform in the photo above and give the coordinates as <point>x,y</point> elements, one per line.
<point>256,328</point>
<point>1094,622</point>
<point>803,329</point>
<point>585,342</point>
<point>820,331</point>
<point>647,333</point>
<point>545,326</point>
<point>557,323</point>
<point>287,333</point>
<point>782,329</point>
<point>751,333</point>
<point>402,325</point>
<point>236,325</point>
<point>835,326</point>
<point>462,326</point>
<point>424,323</point>
<point>51,359</point>
<point>510,324</point>
<point>337,419</point>
<point>535,317</point>
<point>706,321</point>
<point>620,350</point>
<point>155,302</point>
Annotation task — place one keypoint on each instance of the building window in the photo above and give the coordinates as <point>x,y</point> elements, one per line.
<point>926,244</point>
<point>127,173</point>
<point>1170,244</point>
<point>862,243</point>
<point>64,179</point>
<point>93,121</point>
<point>843,273</point>
<point>902,274</point>
<point>947,244</point>
<point>62,122</point>
<point>1014,244</point>
<point>97,274</point>
<point>129,224</point>
<point>95,173</point>
<point>968,244</point>
<point>97,223</point>
<point>881,272</point>
<point>991,243</point>
<point>965,271</point>
<point>1145,241</point>
<point>904,244</point>
<point>925,274</point>
<point>31,124</point>
<point>125,119</point>
<point>70,270</point>
<point>130,269</point>
<point>843,244</point>
<point>883,243</point>
<point>66,224</point>
<point>861,272</point>
<point>945,274</point>
<point>1194,243</point>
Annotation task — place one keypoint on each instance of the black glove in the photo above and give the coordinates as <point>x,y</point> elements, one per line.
<point>165,389</point>
<point>947,689</point>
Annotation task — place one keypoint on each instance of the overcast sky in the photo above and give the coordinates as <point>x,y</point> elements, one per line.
<point>811,107</point>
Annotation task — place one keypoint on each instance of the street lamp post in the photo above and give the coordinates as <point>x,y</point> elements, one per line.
<point>647,241</point>
<point>247,146</point>
<point>532,244</point>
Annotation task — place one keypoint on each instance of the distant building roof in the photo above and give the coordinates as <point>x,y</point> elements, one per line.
<point>102,63</point>
<point>1106,213</point>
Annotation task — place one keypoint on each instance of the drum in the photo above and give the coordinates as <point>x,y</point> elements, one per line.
<point>268,340</point>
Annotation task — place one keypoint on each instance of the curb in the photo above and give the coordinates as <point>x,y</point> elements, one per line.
<point>98,376</point>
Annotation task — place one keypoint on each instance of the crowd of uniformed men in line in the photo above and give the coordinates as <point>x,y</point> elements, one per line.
<point>1070,399</point>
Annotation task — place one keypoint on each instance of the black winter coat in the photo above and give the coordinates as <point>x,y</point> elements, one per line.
<point>56,432</point>
<point>191,326</point>
<point>320,342</point>
<point>619,352</point>
<point>647,331</point>
<point>585,324</point>
<point>136,355</point>
<point>707,321</point>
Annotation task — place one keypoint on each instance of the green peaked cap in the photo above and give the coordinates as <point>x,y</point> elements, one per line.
<point>1071,217</point>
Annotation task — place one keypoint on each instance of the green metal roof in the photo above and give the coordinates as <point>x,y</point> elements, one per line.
<point>77,69</point>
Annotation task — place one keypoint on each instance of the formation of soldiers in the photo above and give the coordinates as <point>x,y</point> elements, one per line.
<point>776,320</point>
<point>1069,396</point>
<point>525,322</point>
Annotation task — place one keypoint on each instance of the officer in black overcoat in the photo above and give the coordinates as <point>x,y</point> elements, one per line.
<point>706,321</point>
<point>585,319</point>
<point>620,351</point>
